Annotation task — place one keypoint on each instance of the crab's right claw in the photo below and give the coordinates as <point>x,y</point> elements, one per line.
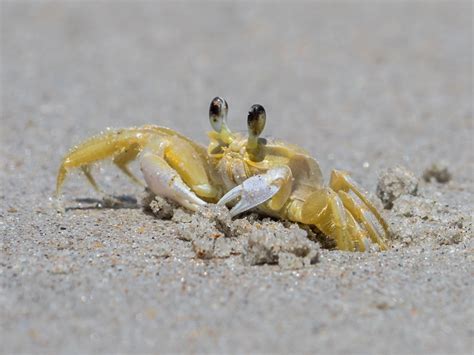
<point>259,189</point>
<point>253,192</point>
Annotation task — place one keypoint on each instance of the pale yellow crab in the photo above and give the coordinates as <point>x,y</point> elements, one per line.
<point>272,177</point>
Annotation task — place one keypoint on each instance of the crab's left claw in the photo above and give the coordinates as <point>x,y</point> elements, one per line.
<point>258,189</point>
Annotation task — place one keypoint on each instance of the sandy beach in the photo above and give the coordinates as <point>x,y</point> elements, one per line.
<point>363,86</point>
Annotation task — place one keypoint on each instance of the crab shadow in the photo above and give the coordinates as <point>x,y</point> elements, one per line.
<point>108,202</point>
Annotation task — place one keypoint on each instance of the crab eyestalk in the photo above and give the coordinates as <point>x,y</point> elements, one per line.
<point>218,117</point>
<point>255,123</point>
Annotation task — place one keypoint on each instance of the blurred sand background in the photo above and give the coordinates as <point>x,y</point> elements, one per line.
<point>363,86</point>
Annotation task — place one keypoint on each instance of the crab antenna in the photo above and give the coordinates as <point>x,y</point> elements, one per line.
<point>218,117</point>
<point>255,123</point>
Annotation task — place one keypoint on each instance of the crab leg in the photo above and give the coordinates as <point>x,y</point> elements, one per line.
<point>116,144</point>
<point>341,181</point>
<point>86,169</point>
<point>360,207</point>
<point>274,186</point>
<point>123,146</point>
<point>359,235</point>
<point>361,215</point>
<point>122,160</point>
<point>324,209</point>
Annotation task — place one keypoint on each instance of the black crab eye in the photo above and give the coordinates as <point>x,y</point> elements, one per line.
<point>217,113</point>
<point>216,106</point>
<point>256,119</point>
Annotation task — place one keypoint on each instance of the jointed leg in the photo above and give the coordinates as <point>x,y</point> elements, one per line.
<point>362,215</point>
<point>325,210</point>
<point>359,236</point>
<point>342,181</point>
<point>341,228</point>
<point>86,169</point>
<point>122,159</point>
<point>123,146</point>
<point>362,212</point>
<point>106,145</point>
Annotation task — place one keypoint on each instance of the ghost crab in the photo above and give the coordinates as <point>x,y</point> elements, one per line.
<point>273,177</point>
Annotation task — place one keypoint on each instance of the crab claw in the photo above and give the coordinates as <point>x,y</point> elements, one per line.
<point>256,190</point>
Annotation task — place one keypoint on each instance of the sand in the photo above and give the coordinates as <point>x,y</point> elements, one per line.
<point>363,86</point>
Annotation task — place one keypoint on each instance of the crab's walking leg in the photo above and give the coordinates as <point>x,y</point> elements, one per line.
<point>362,216</point>
<point>324,209</point>
<point>121,145</point>
<point>172,168</point>
<point>342,181</point>
<point>359,236</point>
<point>86,169</point>
<point>273,187</point>
<point>122,160</point>
<point>343,184</point>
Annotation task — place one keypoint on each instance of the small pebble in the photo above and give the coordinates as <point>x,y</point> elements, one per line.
<point>439,171</point>
<point>395,182</point>
<point>162,208</point>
